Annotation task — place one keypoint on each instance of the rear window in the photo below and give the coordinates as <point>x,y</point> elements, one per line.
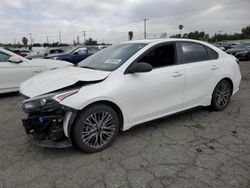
<point>193,52</point>
<point>212,54</point>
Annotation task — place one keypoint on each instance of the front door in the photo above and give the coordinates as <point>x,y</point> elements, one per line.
<point>157,93</point>
<point>12,74</point>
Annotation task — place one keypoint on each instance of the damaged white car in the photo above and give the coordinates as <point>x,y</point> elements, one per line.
<point>124,85</point>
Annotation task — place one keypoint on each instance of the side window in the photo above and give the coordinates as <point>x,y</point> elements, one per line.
<point>52,51</point>
<point>160,56</point>
<point>4,57</point>
<point>91,50</point>
<point>212,54</point>
<point>193,52</point>
<point>81,51</point>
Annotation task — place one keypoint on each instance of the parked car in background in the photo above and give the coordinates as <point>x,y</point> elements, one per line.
<point>43,54</point>
<point>15,69</point>
<point>238,48</point>
<point>21,51</point>
<point>220,46</point>
<point>228,45</point>
<point>224,45</point>
<point>124,85</point>
<point>245,54</point>
<point>75,55</point>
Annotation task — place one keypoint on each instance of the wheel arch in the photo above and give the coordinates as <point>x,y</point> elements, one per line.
<point>229,80</point>
<point>111,104</point>
<point>114,107</point>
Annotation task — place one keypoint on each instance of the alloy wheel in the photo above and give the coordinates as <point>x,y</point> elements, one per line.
<point>98,129</point>
<point>222,94</point>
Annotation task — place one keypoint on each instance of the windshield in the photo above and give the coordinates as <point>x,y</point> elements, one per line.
<point>69,50</point>
<point>112,57</point>
<point>243,45</point>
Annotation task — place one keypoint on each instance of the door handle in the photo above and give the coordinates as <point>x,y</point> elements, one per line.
<point>176,74</point>
<point>214,67</point>
<point>37,71</point>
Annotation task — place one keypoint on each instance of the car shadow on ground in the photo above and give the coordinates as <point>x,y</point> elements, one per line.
<point>12,94</point>
<point>153,124</point>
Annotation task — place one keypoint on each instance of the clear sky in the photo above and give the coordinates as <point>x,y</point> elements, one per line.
<point>110,20</point>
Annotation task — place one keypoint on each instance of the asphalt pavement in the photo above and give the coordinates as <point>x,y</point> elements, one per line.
<point>198,148</point>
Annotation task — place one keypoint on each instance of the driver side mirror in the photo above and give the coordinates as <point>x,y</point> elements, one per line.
<point>14,59</point>
<point>75,53</point>
<point>140,67</point>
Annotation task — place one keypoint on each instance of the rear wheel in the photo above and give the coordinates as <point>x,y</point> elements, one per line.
<point>221,95</point>
<point>95,128</point>
<point>248,56</point>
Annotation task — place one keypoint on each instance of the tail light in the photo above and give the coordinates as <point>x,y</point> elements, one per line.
<point>237,61</point>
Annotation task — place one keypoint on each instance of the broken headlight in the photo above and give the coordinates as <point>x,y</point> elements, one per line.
<point>45,101</point>
<point>37,102</point>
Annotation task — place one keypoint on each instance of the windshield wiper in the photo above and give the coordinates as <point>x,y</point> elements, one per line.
<point>86,67</point>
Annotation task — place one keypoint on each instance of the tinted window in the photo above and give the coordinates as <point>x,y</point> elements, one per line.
<point>193,52</point>
<point>212,54</point>
<point>160,56</point>
<point>81,51</point>
<point>112,57</point>
<point>4,57</point>
<point>91,50</point>
<point>55,51</point>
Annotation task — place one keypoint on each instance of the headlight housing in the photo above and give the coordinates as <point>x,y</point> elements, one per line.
<point>46,102</point>
<point>37,103</point>
<point>55,58</point>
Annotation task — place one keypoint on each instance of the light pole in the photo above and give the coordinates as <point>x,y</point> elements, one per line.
<point>84,35</point>
<point>60,39</point>
<point>30,38</point>
<point>145,29</point>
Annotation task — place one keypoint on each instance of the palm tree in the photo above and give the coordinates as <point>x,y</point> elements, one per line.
<point>25,41</point>
<point>181,27</point>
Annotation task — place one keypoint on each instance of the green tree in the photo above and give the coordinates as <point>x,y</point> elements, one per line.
<point>90,42</point>
<point>246,32</point>
<point>25,41</point>
<point>130,35</point>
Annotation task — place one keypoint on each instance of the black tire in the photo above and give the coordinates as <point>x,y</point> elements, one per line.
<point>221,95</point>
<point>248,56</point>
<point>99,120</point>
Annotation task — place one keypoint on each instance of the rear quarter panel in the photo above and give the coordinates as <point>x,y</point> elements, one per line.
<point>230,69</point>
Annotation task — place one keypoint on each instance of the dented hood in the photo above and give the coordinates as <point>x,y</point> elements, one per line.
<point>57,79</point>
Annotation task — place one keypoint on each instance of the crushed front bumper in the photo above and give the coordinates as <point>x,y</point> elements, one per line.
<point>47,128</point>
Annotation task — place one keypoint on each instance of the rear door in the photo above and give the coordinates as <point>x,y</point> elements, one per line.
<point>201,66</point>
<point>12,74</point>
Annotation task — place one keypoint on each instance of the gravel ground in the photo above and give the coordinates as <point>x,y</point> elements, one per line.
<point>198,148</point>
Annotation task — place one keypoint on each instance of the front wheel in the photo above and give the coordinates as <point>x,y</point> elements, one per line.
<point>95,128</point>
<point>221,95</point>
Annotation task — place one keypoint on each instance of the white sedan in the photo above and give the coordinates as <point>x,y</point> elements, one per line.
<point>124,85</point>
<point>15,69</point>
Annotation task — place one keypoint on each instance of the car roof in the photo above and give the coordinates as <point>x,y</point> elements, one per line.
<point>162,40</point>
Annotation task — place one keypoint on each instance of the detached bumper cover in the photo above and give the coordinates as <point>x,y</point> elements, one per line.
<point>49,143</point>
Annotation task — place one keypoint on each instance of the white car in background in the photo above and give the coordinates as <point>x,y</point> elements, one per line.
<point>125,85</point>
<point>15,69</point>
